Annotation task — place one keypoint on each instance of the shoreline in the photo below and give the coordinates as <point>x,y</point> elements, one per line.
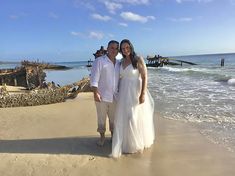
<point>60,139</point>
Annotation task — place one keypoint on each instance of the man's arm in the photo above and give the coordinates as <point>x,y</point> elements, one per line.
<point>94,79</point>
<point>97,96</point>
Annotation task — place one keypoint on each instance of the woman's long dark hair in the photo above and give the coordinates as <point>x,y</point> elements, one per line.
<point>133,55</point>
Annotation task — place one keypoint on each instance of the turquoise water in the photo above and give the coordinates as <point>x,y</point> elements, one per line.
<point>64,77</point>
<point>202,94</point>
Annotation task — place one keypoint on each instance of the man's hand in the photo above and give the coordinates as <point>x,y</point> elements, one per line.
<point>97,97</point>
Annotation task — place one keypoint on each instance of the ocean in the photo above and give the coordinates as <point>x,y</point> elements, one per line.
<point>202,95</point>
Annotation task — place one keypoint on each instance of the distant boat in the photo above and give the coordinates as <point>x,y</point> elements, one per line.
<point>89,63</point>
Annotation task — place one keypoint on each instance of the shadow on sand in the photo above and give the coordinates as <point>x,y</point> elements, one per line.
<point>73,146</point>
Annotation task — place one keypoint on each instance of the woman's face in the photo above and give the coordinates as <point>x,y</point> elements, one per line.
<point>126,49</point>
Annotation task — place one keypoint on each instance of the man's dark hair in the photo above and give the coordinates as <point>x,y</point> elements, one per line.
<point>113,41</point>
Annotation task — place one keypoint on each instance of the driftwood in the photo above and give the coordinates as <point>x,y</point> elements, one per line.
<point>30,74</point>
<point>80,86</point>
<point>48,95</point>
<point>36,97</point>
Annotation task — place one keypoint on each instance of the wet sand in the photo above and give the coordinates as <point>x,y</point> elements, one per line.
<point>60,139</point>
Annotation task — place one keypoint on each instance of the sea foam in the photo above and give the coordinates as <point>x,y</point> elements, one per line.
<point>231,82</point>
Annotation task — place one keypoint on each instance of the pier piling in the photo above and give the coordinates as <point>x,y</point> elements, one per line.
<point>222,62</point>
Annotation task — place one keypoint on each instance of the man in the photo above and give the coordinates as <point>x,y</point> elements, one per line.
<point>104,83</point>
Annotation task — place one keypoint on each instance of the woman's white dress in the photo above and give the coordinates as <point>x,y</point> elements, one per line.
<point>133,126</point>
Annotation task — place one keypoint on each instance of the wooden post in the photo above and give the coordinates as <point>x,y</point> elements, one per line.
<point>39,76</point>
<point>15,81</point>
<point>222,62</point>
<point>27,80</point>
<point>3,81</point>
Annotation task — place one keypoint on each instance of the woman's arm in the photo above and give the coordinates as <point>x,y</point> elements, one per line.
<point>143,73</point>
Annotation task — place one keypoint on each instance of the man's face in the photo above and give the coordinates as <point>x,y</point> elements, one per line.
<point>112,50</point>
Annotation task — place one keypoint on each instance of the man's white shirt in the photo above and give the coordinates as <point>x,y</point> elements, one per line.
<point>105,76</point>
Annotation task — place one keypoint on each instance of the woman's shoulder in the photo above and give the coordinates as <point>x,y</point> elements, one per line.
<point>140,59</point>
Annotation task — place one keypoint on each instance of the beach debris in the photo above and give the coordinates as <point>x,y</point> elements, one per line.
<point>91,158</point>
<point>34,98</point>
<point>29,77</point>
<point>159,61</point>
<point>29,74</point>
<point>98,53</point>
<point>43,65</point>
<point>50,93</point>
<point>80,86</point>
<point>3,90</point>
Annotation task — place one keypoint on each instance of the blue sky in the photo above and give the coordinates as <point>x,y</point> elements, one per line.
<point>71,30</point>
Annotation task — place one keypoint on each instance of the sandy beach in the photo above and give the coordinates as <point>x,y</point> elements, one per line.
<point>60,139</point>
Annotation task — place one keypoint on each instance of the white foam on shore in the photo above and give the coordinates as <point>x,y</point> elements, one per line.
<point>231,82</point>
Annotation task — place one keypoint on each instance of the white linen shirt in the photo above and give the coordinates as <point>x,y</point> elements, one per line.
<point>105,76</point>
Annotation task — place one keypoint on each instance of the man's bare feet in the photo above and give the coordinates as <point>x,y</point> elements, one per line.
<point>100,142</point>
<point>111,136</point>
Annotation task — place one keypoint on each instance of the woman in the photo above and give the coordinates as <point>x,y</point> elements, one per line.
<point>133,126</point>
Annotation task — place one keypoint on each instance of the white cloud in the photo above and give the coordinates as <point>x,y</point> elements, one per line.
<point>53,15</point>
<point>183,19</point>
<point>123,24</point>
<point>100,17</point>
<point>151,17</point>
<point>78,34</point>
<point>129,16</point>
<point>20,15</point>
<point>112,6</point>
<point>134,1</point>
<point>96,35</point>
<point>83,3</point>
<point>232,2</point>
<point>91,35</point>
<point>147,29</point>
<point>13,17</point>
<point>200,1</point>
<point>205,1</point>
<point>110,35</point>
